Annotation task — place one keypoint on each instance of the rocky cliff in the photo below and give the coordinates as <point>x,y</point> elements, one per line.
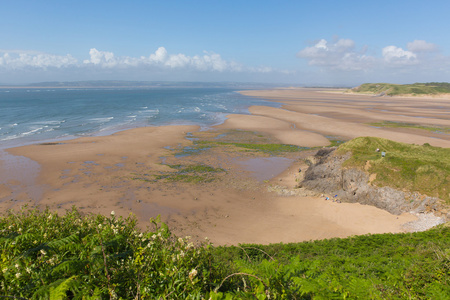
<point>327,175</point>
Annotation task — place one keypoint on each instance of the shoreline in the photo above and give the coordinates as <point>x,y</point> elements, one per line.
<point>99,174</point>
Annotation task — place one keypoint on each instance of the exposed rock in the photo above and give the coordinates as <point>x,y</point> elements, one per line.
<point>326,175</point>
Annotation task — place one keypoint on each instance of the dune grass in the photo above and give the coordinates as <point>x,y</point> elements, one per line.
<point>390,124</point>
<point>431,88</point>
<point>421,168</point>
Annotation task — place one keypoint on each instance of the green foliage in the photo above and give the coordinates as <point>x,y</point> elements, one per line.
<point>47,256</point>
<point>424,169</point>
<point>273,149</point>
<point>191,173</point>
<point>410,125</point>
<point>184,173</point>
<point>431,88</point>
<point>382,266</point>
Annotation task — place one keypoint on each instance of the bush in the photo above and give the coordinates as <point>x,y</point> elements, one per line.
<point>47,256</point>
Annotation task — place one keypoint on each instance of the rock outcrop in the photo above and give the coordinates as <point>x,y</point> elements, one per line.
<point>327,175</point>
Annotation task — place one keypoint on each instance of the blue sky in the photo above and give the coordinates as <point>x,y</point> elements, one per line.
<point>290,42</point>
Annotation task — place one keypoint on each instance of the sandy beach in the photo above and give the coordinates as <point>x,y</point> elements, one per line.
<point>121,172</point>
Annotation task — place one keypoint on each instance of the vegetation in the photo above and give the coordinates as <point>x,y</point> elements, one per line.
<point>439,129</point>
<point>47,256</point>
<point>424,169</point>
<point>185,173</point>
<point>431,88</point>
<point>272,149</point>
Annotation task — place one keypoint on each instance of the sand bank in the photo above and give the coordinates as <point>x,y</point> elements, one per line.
<point>120,172</point>
<point>348,116</point>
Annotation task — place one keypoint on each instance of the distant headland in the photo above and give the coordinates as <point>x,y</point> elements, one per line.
<point>415,89</point>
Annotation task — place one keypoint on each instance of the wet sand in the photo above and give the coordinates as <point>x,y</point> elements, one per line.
<point>117,172</point>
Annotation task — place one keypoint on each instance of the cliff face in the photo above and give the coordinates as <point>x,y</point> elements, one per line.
<point>326,175</point>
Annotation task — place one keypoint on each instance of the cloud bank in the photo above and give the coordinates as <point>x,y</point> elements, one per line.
<point>17,59</point>
<point>342,55</point>
<point>160,59</point>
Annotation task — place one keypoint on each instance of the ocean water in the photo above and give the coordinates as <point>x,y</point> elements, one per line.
<point>43,115</point>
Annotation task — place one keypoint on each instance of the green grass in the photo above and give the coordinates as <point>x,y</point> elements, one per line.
<point>431,88</point>
<point>391,124</point>
<point>382,266</point>
<point>184,173</point>
<point>273,149</point>
<point>424,169</point>
<point>47,256</point>
<point>190,173</point>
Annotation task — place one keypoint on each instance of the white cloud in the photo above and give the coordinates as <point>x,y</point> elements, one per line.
<point>159,56</point>
<point>342,55</point>
<point>15,59</point>
<point>160,59</point>
<point>419,46</point>
<point>339,55</point>
<point>163,60</point>
<point>396,55</point>
<point>30,66</point>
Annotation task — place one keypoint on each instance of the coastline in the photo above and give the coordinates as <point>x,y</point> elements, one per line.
<point>104,173</point>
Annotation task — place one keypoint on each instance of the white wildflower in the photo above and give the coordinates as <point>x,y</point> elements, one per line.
<point>43,252</point>
<point>4,270</point>
<point>50,216</point>
<point>100,226</point>
<point>192,274</point>
<point>28,270</point>
<point>18,275</point>
<point>154,236</point>
<point>140,235</point>
<point>159,234</point>
<point>113,213</point>
<point>17,266</point>
<point>20,229</point>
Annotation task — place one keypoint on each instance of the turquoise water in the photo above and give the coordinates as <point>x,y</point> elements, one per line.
<point>42,115</point>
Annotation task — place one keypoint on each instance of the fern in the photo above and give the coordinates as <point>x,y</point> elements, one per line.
<point>60,292</point>
<point>65,243</point>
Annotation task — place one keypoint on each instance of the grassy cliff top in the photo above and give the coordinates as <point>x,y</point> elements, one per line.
<point>424,169</point>
<point>430,88</point>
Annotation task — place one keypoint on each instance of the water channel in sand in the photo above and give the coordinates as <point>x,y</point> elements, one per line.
<point>265,168</point>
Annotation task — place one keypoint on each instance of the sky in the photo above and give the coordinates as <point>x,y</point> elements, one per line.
<point>328,42</point>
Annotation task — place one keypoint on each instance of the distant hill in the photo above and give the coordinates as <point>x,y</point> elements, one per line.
<point>415,89</point>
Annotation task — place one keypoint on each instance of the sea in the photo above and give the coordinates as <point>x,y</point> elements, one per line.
<point>35,115</point>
